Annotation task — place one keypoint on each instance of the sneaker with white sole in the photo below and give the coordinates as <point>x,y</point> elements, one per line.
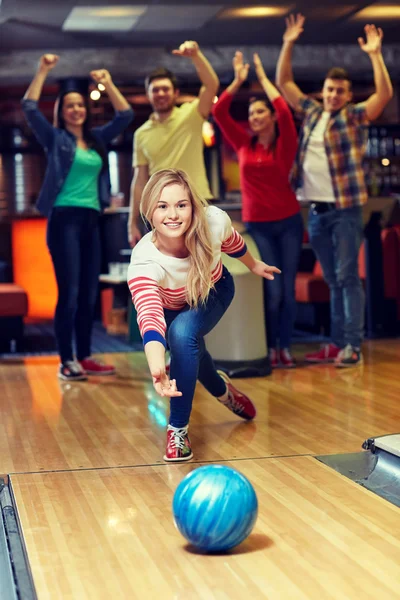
<point>237,402</point>
<point>71,370</point>
<point>178,445</point>
<point>349,357</point>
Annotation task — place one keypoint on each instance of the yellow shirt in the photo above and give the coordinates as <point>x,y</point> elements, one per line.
<point>176,143</point>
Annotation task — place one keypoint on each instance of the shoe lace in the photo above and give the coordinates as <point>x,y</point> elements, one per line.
<point>286,354</point>
<point>234,402</point>
<point>178,438</point>
<point>74,367</point>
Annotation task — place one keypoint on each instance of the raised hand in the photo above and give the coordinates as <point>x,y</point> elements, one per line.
<point>101,76</point>
<point>373,43</point>
<point>241,69</point>
<point>188,48</point>
<point>294,27</point>
<point>264,270</point>
<point>48,62</point>
<point>164,386</point>
<point>259,68</point>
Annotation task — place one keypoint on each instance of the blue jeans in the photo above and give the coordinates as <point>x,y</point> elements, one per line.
<point>73,239</point>
<point>190,360</point>
<point>336,237</point>
<point>279,244</point>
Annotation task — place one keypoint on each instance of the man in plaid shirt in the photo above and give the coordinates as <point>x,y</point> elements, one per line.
<point>328,173</point>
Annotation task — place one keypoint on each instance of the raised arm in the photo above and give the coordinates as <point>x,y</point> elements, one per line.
<point>43,130</point>
<point>232,131</point>
<point>46,64</point>
<point>383,86</point>
<point>118,101</point>
<point>207,75</point>
<point>284,73</point>
<point>286,146</point>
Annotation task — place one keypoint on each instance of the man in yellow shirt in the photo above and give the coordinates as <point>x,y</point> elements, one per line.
<point>172,136</point>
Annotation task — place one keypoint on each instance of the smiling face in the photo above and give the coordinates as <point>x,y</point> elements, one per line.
<point>172,215</point>
<point>74,112</point>
<point>162,95</point>
<point>336,93</point>
<point>261,118</point>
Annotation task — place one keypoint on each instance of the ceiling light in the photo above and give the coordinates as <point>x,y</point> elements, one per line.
<point>253,12</point>
<point>116,12</point>
<point>98,18</point>
<point>383,11</point>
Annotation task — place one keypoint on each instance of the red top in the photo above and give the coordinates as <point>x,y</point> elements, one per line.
<point>264,173</point>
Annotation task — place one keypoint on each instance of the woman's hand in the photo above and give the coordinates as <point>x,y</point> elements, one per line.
<point>263,270</point>
<point>294,28</point>
<point>48,62</point>
<point>164,386</point>
<point>259,68</point>
<point>240,69</point>
<point>101,76</point>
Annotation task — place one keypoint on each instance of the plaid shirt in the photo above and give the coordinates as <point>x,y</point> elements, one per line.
<point>346,139</point>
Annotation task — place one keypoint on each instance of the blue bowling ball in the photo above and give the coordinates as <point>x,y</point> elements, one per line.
<point>215,508</point>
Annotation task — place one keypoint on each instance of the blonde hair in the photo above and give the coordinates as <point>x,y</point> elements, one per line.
<point>197,237</point>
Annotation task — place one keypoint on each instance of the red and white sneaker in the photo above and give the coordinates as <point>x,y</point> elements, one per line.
<point>71,370</point>
<point>92,366</point>
<point>178,445</point>
<point>238,403</point>
<point>286,359</point>
<point>273,358</point>
<point>327,354</point>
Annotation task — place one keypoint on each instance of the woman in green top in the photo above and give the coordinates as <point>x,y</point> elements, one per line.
<point>75,189</point>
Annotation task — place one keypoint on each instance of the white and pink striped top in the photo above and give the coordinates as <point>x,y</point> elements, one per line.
<point>158,281</point>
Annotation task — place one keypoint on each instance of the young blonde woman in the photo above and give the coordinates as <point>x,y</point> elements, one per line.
<point>180,290</point>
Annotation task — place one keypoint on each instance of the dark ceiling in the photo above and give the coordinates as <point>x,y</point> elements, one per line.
<point>37,24</point>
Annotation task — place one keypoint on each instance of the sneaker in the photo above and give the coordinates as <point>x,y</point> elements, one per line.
<point>349,357</point>
<point>92,366</point>
<point>273,358</point>
<point>326,354</point>
<point>286,359</point>
<point>178,445</point>
<point>237,402</point>
<point>71,370</point>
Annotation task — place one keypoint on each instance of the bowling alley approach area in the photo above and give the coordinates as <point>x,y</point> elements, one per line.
<point>87,499</point>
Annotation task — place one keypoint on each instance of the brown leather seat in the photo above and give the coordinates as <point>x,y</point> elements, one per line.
<point>13,300</point>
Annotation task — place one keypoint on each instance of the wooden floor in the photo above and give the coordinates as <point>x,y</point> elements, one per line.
<point>94,496</point>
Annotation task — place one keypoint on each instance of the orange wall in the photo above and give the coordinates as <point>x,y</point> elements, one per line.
<point>32,266</point>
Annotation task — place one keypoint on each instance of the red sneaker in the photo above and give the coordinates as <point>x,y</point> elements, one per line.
<point>286,359</point>
<point>178,445</point>
<point>92,366</point>
<point>326,354</point>
<point>273,358</point>
<point>238,403</point>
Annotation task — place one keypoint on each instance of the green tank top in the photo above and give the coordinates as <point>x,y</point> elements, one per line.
<point>81,185</point>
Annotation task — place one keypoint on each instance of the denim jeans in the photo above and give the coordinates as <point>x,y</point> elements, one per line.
<point>73,239</point>
<point>190,359</point>
<point>336,237</point>
<point>279,244</point>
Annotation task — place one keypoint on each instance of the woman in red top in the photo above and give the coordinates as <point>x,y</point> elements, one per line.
<point>269,206</point>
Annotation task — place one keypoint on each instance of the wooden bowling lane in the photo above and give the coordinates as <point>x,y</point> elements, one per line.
<point>48,425</point>
<point>110,533</point>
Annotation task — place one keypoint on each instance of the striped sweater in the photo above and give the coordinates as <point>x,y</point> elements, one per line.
<point>158,281</point>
